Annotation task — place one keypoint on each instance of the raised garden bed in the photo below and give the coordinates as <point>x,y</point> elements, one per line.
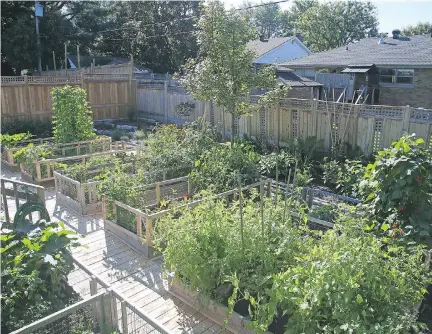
<point>42,171</point>
<point>83,197</point>
<point>213,310</point>
<point>7,152</point>
<point>135,226</point>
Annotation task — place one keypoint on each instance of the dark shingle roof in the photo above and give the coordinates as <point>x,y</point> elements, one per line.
<point>288,77</point>
<point>261,48</point>
<point>413,50</point>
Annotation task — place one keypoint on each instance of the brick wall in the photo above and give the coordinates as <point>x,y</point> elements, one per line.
<point>418,96</point>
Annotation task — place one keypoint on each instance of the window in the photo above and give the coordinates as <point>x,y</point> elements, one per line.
<point>388,76</point>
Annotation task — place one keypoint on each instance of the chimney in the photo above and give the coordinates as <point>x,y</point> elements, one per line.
<point>396,33</point>
<point>299,36</point>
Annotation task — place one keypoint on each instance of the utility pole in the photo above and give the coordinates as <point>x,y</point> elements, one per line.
<point>38,12</point>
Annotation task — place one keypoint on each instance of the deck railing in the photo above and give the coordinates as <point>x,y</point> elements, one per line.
<point>18,192</point>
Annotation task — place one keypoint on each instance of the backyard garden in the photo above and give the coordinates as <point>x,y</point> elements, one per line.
<point>287,238</point>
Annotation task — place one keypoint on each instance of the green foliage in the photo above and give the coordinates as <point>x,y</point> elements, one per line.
<point>324,212</point>
<point>347,284</point>
<point>38,129</point>
<point>220,166</point>
<point>172,147</point>
<point>140,134</point>
<point>224,74</point>
<point>72,117</point>
<point>421,28</point>
<point>325,26</point>
<point>184,109</point>
<point>117,134</point>
<point>14,140</point>
<point>344,177</point>
<point>398,191</point>
<point>27,155</point>
<point>35,263</point>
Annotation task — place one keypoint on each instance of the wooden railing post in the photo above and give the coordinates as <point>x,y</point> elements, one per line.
<point>96,312</point>
<point>189,184</point>
<point>124,317</point>
<point>104,208</point>
<point>139,226</point>
<point>5,203</point>
<point>149,231</point>
<point>38,171</point>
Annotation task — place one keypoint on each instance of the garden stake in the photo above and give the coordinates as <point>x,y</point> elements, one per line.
<point>277,179</point>
<point>262,207</point>
<point>241,212</point>
<point>286,197</point>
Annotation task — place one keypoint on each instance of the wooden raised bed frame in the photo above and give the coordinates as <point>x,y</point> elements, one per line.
<point>145,243</point>
<point>87,201</point>
<point>7,155</point>
<point>49,164</point>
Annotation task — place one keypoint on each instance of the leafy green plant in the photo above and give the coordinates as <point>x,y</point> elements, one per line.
<point>344,177</point>
<point>140,135</point>
<point>35,263</point>
<point>347,284</point>
<point>184,109</point>
<point>15,139</point>
<point>398,191</point>
<point>172,147</point>
<point>219,166</point>
<point>72,117</point>
<point>325,212</point>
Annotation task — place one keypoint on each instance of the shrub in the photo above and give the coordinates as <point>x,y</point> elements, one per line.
<point>132,114</point>
<point>27,155</point>
<point>398,191</point>
<point>35,263</point>
<point>39,129</point>
<point>220,166</point>
<point>344,177</point>
<point>72,117</point>
<point>172,147</point>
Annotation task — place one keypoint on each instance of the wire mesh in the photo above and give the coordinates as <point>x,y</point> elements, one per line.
<point>80,321</point>
<point>137,325</point>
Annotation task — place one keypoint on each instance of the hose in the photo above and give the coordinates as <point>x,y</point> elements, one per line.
<point>29,207</point>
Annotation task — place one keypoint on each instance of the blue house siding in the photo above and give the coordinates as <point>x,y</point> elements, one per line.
<point>288,51</point>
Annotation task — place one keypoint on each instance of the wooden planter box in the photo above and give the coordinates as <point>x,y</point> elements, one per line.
<point>42,171</point>
<point>80,197</point>
<point>211,309</point>
<point>7,155</point>
<point>139,234</point>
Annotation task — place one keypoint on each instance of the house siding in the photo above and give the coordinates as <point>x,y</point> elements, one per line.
<point>287,51</point>
<point>418,96</point>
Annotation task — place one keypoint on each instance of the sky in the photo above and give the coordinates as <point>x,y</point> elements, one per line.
<point>391,14</point>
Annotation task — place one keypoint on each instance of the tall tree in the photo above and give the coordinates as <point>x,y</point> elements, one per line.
<point>224,73</point>
<point>159,34</point>
<point>421,28</point>
<point>329,25</point>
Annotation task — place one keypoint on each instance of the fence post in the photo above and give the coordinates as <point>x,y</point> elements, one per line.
<point>189,187</point>
<point>165,100</point>
<point>314,117</point>
<point>124,317</point>
<point>405,120</point>
<point>278,110</point>
<point>38,171</point>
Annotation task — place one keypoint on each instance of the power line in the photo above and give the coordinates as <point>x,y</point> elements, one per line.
<point>263,4</point>
<point>146,37</point>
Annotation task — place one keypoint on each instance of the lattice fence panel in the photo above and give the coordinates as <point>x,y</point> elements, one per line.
<point>294,124</point>
<point>377,138</point>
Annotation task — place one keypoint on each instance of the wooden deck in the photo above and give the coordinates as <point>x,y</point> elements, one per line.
<point>124,269</point>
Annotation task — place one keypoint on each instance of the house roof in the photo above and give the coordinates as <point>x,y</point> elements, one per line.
<point>409,51</point>
<point>261,48</point>
<point>288,77</point>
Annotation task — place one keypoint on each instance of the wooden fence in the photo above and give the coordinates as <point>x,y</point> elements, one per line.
<point>125,68</point>
<point>370,127</point>
<point>109,95</point>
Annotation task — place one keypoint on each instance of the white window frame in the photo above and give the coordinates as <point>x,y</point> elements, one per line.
<point>395,76</point>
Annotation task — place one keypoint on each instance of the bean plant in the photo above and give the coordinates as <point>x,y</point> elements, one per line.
<point>72,117</point>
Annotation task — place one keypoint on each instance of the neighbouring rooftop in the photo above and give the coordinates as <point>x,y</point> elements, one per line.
<point>409,51</point>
